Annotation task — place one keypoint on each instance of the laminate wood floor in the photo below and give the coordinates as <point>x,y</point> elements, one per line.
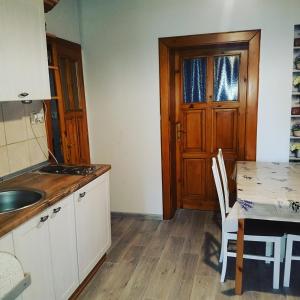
<point>178,259</point>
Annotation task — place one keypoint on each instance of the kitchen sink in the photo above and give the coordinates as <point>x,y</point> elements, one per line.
<point>15,199</point>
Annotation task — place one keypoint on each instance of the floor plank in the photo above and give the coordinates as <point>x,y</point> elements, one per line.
<point>152,259</point>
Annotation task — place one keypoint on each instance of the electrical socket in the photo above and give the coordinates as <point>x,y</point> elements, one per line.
<point>37,117</point>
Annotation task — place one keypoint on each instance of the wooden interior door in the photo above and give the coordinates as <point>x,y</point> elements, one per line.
<point>210,95</point>
<point>76,143</point>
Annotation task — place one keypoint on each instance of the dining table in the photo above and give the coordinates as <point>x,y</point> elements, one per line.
<point>265,191</point>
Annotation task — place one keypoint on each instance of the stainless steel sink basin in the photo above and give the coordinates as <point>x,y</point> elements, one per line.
<point>16,199</point>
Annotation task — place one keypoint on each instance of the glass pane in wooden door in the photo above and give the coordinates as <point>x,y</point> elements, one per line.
<point>226,77</point>
<point>64,83</point>
<point>75,85</point>
<point>194,79</point>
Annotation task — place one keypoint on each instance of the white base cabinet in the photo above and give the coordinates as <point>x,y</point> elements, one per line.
<point>32,248</point>
<point>7,244</point>
<point>63,248</point>
<point>92,211</point>
<point>60,246</point>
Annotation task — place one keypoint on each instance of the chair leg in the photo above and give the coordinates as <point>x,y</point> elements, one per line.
<point>269,251</point>
<point>222,249</point>
<point>288,260</point>
<point>276,271</point>
<point>283,246</point>
<point>224,265</point>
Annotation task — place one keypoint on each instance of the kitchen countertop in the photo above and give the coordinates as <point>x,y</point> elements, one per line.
<point>55,186</point>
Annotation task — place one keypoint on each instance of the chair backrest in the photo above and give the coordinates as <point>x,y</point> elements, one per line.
<point>218,187</point>
<point>224,179</point>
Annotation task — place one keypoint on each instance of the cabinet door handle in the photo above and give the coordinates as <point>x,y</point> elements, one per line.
<point>23,95</point>
<point>56,210</point>
<point>44,219</point>
<point>81,195</point>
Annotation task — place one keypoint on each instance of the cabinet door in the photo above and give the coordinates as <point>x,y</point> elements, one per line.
<point>92,223</point>
<point>32,248</point>
<point>63,248</point>
<point>6,243</point>
<point>23,55</point>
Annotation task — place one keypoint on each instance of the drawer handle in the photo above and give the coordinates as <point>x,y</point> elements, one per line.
<point>56,210</point>
<point>44,219</point>
<point>81,195</point>
<point>23,95</point>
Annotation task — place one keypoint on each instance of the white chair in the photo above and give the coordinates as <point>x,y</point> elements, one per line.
<point>224,179</point>
<point>269,248</point>
<point>291,238</point>
<point>263,233</point>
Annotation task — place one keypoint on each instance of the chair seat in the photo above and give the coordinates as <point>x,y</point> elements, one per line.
<point>262,228</point>
<point>291,228</point>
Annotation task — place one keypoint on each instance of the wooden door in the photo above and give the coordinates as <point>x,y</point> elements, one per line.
<point>211,91</point>
<point>67,129</point>
<point>75,141</point>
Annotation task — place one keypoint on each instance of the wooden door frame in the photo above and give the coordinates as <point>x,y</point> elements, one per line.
<point>167,47</point>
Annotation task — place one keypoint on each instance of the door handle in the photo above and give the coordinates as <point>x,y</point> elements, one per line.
<point>23,95</point>
<point>44,219</point>
<point>178,131</point>
<point>56,210</point>
<point>81,195</point>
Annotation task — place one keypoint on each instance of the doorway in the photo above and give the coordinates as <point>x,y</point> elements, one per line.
<point>209,91</point>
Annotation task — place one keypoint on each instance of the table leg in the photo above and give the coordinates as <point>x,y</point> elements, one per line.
<point>239,258</point>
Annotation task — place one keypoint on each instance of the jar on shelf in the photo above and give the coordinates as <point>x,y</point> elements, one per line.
<point>297,62</point>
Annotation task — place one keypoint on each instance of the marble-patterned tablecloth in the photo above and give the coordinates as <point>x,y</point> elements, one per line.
<point>267,191</point>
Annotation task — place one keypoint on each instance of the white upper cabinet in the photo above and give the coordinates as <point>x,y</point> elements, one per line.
<point>23,52</point>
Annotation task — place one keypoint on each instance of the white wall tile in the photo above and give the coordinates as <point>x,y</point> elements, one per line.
<point>2,131</point>
<point>24,148</point>
<point>4,165</point>
<point>18,156</point>
<point>39,128</point>
<point>14,122</point>
<point>37,151</point>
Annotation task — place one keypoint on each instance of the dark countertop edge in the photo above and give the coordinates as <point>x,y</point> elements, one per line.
<point>20,217</point>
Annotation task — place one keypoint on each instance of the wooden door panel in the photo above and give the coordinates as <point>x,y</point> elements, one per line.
<point>71,135</point>
<point>83,139</point>
<point>225,130</point>
<point>194,130</point>
<point>194,177</point>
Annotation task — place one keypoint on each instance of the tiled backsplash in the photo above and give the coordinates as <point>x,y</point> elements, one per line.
<point>22,144</point>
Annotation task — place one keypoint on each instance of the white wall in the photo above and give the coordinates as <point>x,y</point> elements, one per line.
<point>120,45</point>
<point>63,21</point>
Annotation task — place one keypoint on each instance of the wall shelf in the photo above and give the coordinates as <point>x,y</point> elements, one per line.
<point>292,158</point>
<point>295,119</point>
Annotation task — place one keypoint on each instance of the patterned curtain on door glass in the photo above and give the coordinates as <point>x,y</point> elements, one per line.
<point>194,80</point>
<point>226,78</point>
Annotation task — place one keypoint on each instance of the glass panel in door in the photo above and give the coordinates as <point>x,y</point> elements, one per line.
<point>194,80</point>
<point>64,82</point>
<point>75,84</point>
<point>226,77</point>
